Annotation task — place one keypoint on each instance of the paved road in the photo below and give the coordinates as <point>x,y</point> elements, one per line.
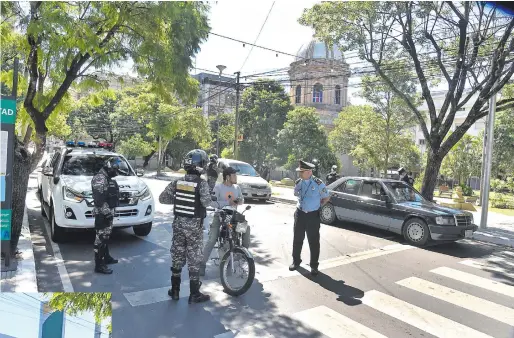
<point>371,284</point>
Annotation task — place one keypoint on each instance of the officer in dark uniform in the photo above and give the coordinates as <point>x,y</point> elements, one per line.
<point>212,171</point>
<point>106,197</point>
<point>191,197</point>
<point>332,176</point>
<point>403,176</point>
<point>312,194</point>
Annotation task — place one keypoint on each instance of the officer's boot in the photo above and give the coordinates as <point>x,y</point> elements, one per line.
<point>175,288</point>
<point>195,295</point>
<point>108,258</point>
<point>100,265</point>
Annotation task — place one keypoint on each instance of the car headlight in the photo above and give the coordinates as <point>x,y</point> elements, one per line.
<point>445,220</point>
<point>144,195</point>
<point>72,195</point>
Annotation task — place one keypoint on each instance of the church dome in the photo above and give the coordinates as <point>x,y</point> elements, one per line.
<point>317,49</point>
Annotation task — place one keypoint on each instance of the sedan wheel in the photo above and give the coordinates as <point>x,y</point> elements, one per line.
<point>328,214</point>
<point>416,232</point>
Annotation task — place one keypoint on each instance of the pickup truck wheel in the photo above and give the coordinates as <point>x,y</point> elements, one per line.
<point>328,214</point>
<point>143,230</point>
<point>416,232</point>
<point>57,232</point>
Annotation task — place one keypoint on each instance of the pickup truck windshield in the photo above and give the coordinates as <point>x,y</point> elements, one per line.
<point>88,165</point>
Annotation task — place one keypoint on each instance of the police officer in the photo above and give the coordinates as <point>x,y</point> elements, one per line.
<point>212,171</point>
<point>312,194</point>
<point>106,197</point>
<point>191,197</point>
<point>403,176</point>
<point>332,176</point>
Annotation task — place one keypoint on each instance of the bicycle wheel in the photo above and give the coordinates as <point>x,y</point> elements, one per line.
<point>238,280</point>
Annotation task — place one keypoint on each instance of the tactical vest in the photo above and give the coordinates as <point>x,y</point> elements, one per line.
<point>113,194</point>
<point>187,199</point>
<point>211,170</point>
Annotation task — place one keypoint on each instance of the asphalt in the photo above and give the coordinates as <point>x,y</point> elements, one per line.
<point>358,266</point>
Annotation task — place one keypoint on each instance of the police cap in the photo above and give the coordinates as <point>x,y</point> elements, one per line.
<point>304,166</point>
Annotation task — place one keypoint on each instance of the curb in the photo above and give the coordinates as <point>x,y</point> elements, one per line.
<point>24,278</point>
<point>494,239</point>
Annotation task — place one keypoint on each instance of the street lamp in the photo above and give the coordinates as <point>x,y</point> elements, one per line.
<point>221,68</point>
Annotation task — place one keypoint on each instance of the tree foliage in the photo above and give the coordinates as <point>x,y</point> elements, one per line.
<point>465,45</point>
<point>303,137</point>
<point>264,108</point>
<point>75,303</point>
<point>503,147</point>
<point>134,146</point>
<point>226,131</point>
<point>464,159</point>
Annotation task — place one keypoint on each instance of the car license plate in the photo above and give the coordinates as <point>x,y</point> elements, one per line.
<point>468,233</point>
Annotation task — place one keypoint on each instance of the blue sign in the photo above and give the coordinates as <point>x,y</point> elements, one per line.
<point>2,188</point>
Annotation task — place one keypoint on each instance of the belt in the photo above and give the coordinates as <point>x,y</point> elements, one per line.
<point>307,212</point>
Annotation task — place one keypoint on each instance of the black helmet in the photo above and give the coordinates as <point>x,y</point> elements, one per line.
<point>195,160</point>
<point>315,162</point>
<point>214,158</point>
<point>112,166</point>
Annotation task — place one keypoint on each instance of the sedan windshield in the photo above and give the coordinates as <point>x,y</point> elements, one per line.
<point>403,193</point>
<point>89,165</point>
<point>244,169</point>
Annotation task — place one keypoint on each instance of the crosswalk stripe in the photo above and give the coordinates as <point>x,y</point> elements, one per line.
<point>252,331</point>
<point>471,279</point>
<point>464,300</point>
<point>333,324</point>
<point>422,319</point>
<point>487,267</point>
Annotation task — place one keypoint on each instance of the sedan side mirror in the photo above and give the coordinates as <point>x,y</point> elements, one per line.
<point>48,171</point>
<point>248,207</point>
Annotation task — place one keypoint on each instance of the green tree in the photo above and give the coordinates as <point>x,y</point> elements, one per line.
<point>303,137</point>
<point>503,147</point>
<point>464,159</point>
<point>465,44</point>
<point>75,303</point>
<point>134,146</point>
<point>63,42</point>
<point>226,132</point>
<point>264,108</point>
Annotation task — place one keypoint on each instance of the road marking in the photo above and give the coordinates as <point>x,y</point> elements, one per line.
<point>263,274</point>
<point>333,324</point>
<point>487,267</point>
<point>59,262</point>
<point>422,319</point>
<point>471,279</point>
<point>500,260</point>
<point>464,300</point>
<point>252,331</point>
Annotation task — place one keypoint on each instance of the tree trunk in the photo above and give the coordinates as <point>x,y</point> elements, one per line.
<point>20,179</point>
<point>433,166</point>
<point>28,134</point>
<point>147,158</point>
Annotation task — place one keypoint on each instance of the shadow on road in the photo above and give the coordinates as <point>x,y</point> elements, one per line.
<point>347,294</point>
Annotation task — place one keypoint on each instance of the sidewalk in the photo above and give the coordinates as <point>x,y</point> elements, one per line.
<point>24,278</point>
<point>500,228</point>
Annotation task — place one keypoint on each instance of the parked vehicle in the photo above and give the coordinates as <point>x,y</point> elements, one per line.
<point>252,185</point>
<point>67,197</point>
<point>237,266</point>
<point>395,206</point>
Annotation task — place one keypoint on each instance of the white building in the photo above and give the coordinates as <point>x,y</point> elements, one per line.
<point>215,96</point>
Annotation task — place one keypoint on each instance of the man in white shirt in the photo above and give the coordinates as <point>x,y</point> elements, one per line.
<point>227,193</point>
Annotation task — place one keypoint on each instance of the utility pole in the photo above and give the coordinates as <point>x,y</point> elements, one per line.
<point>236,136</point>
<point>221,68</point>
<point>488,159</point>
<point>482,170</point>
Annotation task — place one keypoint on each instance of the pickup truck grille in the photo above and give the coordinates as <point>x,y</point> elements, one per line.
<point>120,213</point>
<point>462,220</point>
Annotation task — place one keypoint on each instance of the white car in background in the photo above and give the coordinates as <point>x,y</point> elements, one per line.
<point>252,185</point>
<point>66,195</point>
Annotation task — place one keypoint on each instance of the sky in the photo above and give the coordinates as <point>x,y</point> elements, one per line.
<point>19,317</point>
<point>242,20</point>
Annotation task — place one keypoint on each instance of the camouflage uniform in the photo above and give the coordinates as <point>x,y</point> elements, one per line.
<point>103,216</point>
<point>212,182</point>
<point>187,232</point>
<point>212,175</point>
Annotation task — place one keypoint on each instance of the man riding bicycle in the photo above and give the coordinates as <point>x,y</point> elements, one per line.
<point>226,193</point>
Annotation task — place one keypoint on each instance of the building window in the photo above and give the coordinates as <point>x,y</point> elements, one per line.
<point>298,94</point>
<point>421,142</point>
<point>338,94</point>
<point>317,93</point>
